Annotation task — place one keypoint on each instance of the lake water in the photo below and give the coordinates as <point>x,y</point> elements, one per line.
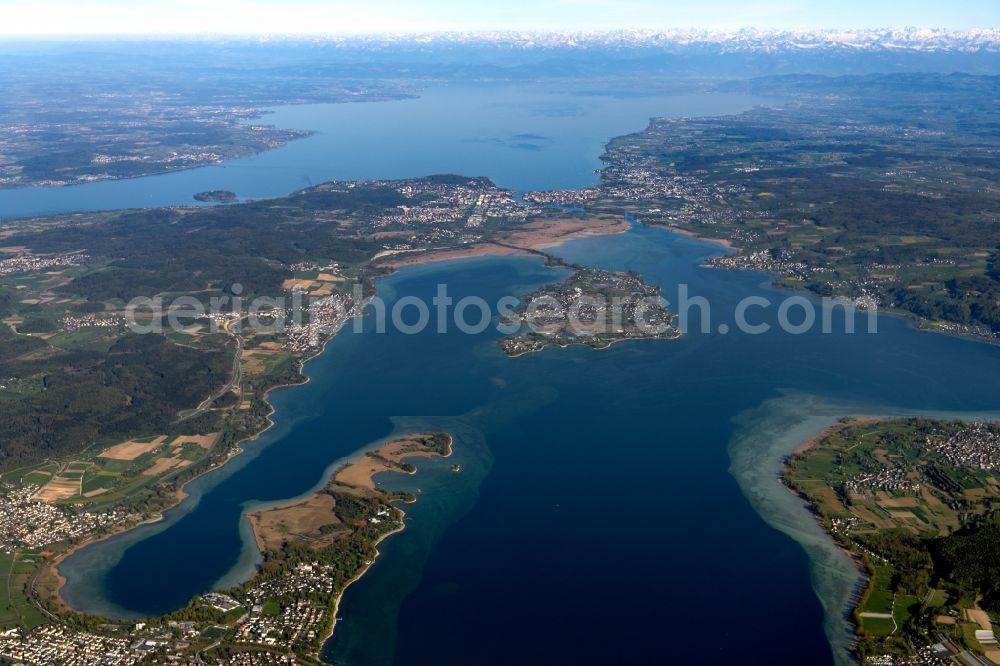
<point>614,506</point>
<point>523,138</point>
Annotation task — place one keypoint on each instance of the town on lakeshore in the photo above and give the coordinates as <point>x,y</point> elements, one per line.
<point>313,549</point>
<point>141,344</point>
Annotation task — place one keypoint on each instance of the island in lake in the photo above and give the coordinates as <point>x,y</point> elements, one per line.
<point>913,502</point>
<point>591,307</point>
<point>216,196</point>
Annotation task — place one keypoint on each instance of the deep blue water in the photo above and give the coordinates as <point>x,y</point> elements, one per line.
<point>595,519</point>
<point>609,529</point>
<point>607,525</point>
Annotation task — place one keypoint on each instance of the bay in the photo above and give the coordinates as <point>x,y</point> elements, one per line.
<point>614,505</point>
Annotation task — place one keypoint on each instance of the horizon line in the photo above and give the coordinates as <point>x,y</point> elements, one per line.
<point>498,32</point>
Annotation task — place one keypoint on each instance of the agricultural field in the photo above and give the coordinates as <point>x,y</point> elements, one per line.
<point>915,501</point>
<point>886,475</point>
<point>15,609</point>
<point>116,471</point>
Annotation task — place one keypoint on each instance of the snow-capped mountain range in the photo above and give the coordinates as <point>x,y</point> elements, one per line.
<point>925,40</point>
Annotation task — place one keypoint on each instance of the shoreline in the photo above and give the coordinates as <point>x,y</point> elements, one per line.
<point>330,476</point>
<point>181,494</point>
<point>486,249</point>
<point>540,237</point>
<point>584,344</point>
<point>802,446</point>
<point>818,437</point>
<point>402,526</point>
<point>306,379</point>
<point>519,242</point>
<point>51,568</point>
<point>50,185</point>
<point>866,561</point>
<point>722,242</point>
<point>386,462</point>
<point>397,262</point>
<point>257,112</point>
<point>809,444</point>
<point>764,437</point>
<point>917,322</point>
<point>335,608</point>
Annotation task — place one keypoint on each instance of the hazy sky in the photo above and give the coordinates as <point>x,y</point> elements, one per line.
<point>55,17</point>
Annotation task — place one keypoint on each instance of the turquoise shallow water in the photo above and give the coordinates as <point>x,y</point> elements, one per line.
<point>610,505</point>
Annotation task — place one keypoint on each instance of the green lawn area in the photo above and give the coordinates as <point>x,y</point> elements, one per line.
<point>904,605</point>
<point>191,451</point>
<point>969,634</point>
<point>936,598</point>
<point>15,609</point>
<point>25,563</point>
<point>278,362</point>
<point>271,608</point>
<point>880,599</point>
<point>91,338</point>
<point>214,632</point>
<point>8,614</point>
<point>115,467</point>
<point>919,513</point>
<point>877,626</point>
<point>36,474</point>
<point>100,480</point>
<point>36,478</point>
<point>30,617</point>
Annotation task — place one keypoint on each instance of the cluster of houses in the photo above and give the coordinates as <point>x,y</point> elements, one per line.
<point>927,655</point>
<point>637,175</point>
<point>71,323</point>
<point>468,204</point>
<point>24,263</point>
<point>299,621</point>
<point>893,479</point>
<point>56,644</point>
<point>325,316</point>
<point>977,445</point>
<point>332,268</point>
<point>844,526</point>
<point>256,658</point>
<point>778,262</point>
<point>31,523</point>
<point>593,307</point>
<point>564,197</point>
